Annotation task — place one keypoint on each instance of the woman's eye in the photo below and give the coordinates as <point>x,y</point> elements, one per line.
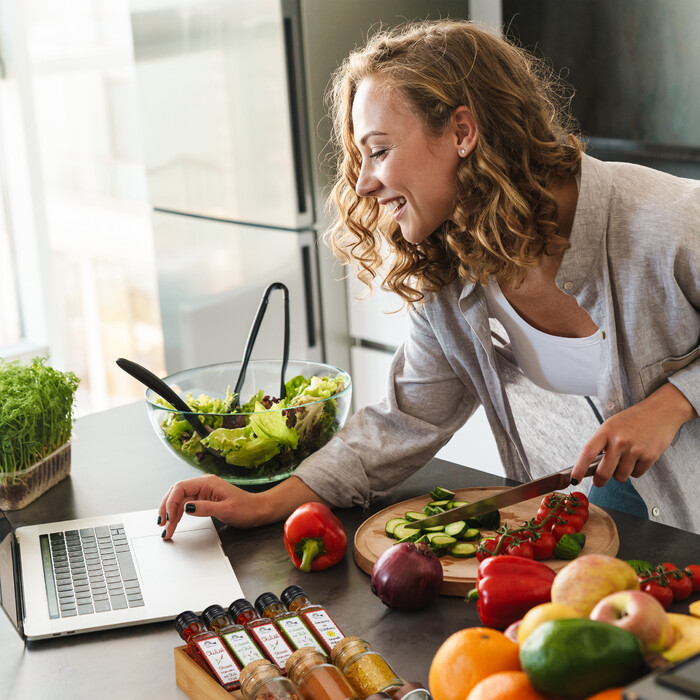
<point>377,155</point>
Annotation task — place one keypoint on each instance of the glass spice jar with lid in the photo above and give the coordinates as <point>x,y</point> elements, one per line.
<point>366,670</point>
<point>412,691</point>
<point>262,680</point>
<point>317,679</point>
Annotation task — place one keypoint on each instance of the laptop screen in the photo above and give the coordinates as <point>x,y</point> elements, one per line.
<point>9,573</point>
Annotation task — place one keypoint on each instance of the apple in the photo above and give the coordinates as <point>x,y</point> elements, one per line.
<point>639,613</point>
<point>589,578</point>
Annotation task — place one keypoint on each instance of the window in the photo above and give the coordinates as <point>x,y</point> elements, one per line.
<point>89,246</point>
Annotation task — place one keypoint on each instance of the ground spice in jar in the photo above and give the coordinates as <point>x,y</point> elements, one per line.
<point>262,680</point>
<point>317,679</point>
<point>365,669</point>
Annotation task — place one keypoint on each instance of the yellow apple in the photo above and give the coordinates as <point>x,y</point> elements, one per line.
<point>588,579</point>
<point>544,612</point>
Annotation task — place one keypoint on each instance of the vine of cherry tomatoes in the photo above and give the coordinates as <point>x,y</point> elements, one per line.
<point>667,583</point>
<point>559,514</point>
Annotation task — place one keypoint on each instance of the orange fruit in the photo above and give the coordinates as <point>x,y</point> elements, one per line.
<point>468,656</point>
<point>505,685</point>
<point>609,694</point>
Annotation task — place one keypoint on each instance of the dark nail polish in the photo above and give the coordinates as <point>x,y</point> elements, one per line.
<point>574,482</point>
<point>162,534</point>
<point>190,508</point>
<point>158,521</point>
<point>167,517</point>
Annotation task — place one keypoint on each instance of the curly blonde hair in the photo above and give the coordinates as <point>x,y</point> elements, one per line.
<point>526,141</point>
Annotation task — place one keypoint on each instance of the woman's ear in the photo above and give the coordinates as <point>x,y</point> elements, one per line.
<point>465,131</point>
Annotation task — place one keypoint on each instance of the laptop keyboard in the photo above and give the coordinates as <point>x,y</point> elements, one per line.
<point>89,571</point>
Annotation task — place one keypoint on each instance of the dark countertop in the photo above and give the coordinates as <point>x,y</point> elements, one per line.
<point>119,465</point>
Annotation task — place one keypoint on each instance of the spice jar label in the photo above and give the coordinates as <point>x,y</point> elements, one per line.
<point>219,660</point>
<point>243,647</point>
<point>321,621</point>
<point>273,642</point>
<point>298,633</point>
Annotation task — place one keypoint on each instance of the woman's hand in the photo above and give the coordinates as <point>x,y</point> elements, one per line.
<point>635,438</point>
<point>210,495</point>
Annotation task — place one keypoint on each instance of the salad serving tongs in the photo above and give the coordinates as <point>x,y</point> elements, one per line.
<point>254,334</point>
<point>155,383</point>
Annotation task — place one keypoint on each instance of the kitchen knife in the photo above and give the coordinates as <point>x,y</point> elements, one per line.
<point>538,487</point>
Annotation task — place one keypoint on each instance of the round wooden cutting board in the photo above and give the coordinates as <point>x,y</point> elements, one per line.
<point>459,575</point>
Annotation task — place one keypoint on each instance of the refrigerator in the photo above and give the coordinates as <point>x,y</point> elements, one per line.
<point>633,65</point>
<point>231,99</point>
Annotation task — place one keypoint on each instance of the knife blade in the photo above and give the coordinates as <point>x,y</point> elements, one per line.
<point>516,494</point>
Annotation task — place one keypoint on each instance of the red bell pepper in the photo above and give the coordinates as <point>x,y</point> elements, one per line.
<point>507,587</point>
<point>314,537</point>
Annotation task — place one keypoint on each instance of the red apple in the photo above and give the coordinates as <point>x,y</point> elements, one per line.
<point>638,613</point>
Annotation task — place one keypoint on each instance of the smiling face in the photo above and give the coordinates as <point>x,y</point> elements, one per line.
<point>408,170</point>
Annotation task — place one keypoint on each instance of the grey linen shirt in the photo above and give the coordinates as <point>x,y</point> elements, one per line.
<point>634,266</point>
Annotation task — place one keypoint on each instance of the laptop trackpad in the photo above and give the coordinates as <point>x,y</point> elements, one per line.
<point>188,572</point>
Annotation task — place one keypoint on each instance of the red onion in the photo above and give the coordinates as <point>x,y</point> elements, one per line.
<point>407,576</point>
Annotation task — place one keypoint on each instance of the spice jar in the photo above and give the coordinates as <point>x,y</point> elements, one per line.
<point>317,679</point>
<point>412,691</point>
<point>262,680</point>
<point>316,617</point>
<point>365,669</point>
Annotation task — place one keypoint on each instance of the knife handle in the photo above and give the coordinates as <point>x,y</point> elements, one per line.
<point>592,466</point>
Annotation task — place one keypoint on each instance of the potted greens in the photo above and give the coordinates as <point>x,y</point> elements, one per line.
<point>36,422</point>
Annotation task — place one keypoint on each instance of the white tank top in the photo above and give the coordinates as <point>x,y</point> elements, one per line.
<point>563,365</point>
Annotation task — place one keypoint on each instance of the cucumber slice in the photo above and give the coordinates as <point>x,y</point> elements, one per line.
<point>457,504</point>
<point>408,534</point>
<point>432,535</point>
<point>429,510</point>
<point>439,493</point>
<point>391,526</point>
<point>463,550</point>
<point>413,515</point>
<point>456,529</point>
<point>434,528</point>
<point>441,544</point>
<point>439,504</point>
<point>471,533</point>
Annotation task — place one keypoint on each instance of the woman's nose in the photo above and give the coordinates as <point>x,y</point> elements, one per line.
<point>367,183</point>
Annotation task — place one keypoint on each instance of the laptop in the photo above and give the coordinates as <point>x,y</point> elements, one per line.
<point>104,572</point>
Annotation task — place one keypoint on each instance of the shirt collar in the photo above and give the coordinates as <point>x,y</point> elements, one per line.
<point>589,227</point>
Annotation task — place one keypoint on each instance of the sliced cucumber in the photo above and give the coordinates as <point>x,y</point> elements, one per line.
<point>456,529</point>
<point>409,534</point>
<point>434,528</point>
<point>439,493</point>
<point>441,544</point>
<point>439,504</point>
<point>391,525</point>
<point>471,533</point>
<point>457,504</point>
<point>430,510</point>
<point>463,550</point>
<point>413,515</point>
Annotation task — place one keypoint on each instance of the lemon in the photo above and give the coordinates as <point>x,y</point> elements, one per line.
<point>575,658</point>
<point>543,613</point>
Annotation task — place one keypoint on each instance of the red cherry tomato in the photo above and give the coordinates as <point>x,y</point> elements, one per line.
<point>560,530</point>
<point>543,548</point>
<point>679,582</point>
<point>582,498</point>
<point>663,594</point>
<point>520,549</point>
<point>486,548</point>
<point>573,519</point>
<point>694,576</point>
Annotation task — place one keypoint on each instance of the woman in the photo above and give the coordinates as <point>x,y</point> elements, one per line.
<point>456,157</point>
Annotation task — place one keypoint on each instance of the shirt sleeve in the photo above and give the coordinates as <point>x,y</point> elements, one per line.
<point>383,444</point>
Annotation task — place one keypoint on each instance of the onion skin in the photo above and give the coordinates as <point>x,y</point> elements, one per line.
<point>407,576</point>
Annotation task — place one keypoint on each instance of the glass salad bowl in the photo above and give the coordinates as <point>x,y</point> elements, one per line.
<point>263,440</point>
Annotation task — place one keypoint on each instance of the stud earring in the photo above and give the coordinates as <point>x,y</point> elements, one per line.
<point>463,151</point>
